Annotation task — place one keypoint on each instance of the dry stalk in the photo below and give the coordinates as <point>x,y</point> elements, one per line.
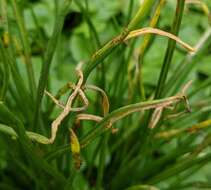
<point>149,30</point>
<point>68,107</point>
<point>159,109</point>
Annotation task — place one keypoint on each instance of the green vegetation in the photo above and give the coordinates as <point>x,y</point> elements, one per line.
<point>105,94</point>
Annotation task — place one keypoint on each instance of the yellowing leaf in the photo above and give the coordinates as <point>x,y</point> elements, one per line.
<point>105,102</point>
<point>149,30</point>
<point>75,148</point>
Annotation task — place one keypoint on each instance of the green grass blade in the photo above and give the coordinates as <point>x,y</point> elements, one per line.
<point>170,49</point>
<point>9,118</point>
<point>26,47</point>
<point>100,54</point>
<point>179,168</point>
<point>187,65</point>
<point>6,76</point>
<point>18,81</point>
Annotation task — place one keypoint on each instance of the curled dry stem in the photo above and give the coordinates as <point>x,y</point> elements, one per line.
<point>91,117</point>
<point>105,123</point>
<point>78,89</point>
<point>57,102</point>
<point>149,30</point>
<point>68,107</point>
<point>105,102</point>
<point>158,111</point>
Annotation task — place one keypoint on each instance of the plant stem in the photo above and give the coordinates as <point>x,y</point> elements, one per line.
<point>170,49</point>
<point>26,48</point>
<point>165,67</point>
<point>186,66</point>
<point>103,52</point>
<point>18,81</point>
<point>95,34</point>
<point>6,75</point>
<point>145,45</point>
<point>6,70</point>
<point>102,160</point>
<point>182,166</point>
<point>111,118</point>
<point>130,10</point>
<point>27,145</point>
<point>123,112</point>
<point>141,14</point>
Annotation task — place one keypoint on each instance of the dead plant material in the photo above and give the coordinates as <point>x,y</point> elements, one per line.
<point>149,30</point>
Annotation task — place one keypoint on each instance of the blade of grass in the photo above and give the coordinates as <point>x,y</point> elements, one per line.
<point>6,76</point>
<point>145,45</point>
<point>185,175</point>
<point>99,183</point>
<point>26,47</point>
<point>142,187</point>
<point>191,160</point>
<point>150,167</point>
<point>18,81</point>
<point>96,37</point>
<point>153,23</point>
<point>146,134</point>
<point>130,10</point>
<point>195,185</point>
<point>170,49</point>
<point>200,87</point>
<point>149,30</point>
<point>7,28</point>
<point>179,168</point>
<point>186,66</point>
<point>123,112</point>
<point>30,174</point>
<point>6,70</point>
<point>100,54</point>
<point>39,164</point>
<point>113,117</point>
<point>31,135</point>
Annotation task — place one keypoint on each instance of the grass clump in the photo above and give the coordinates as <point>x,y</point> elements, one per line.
<point>96,95</point>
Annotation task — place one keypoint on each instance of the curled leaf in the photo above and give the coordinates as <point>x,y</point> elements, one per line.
<point>90,117</point>
<point>37,137</point>
<point>149,30</point>
<point>75,149</point>
<point>155,117</point>
<point>31,135</point>
<point>105,102</point>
